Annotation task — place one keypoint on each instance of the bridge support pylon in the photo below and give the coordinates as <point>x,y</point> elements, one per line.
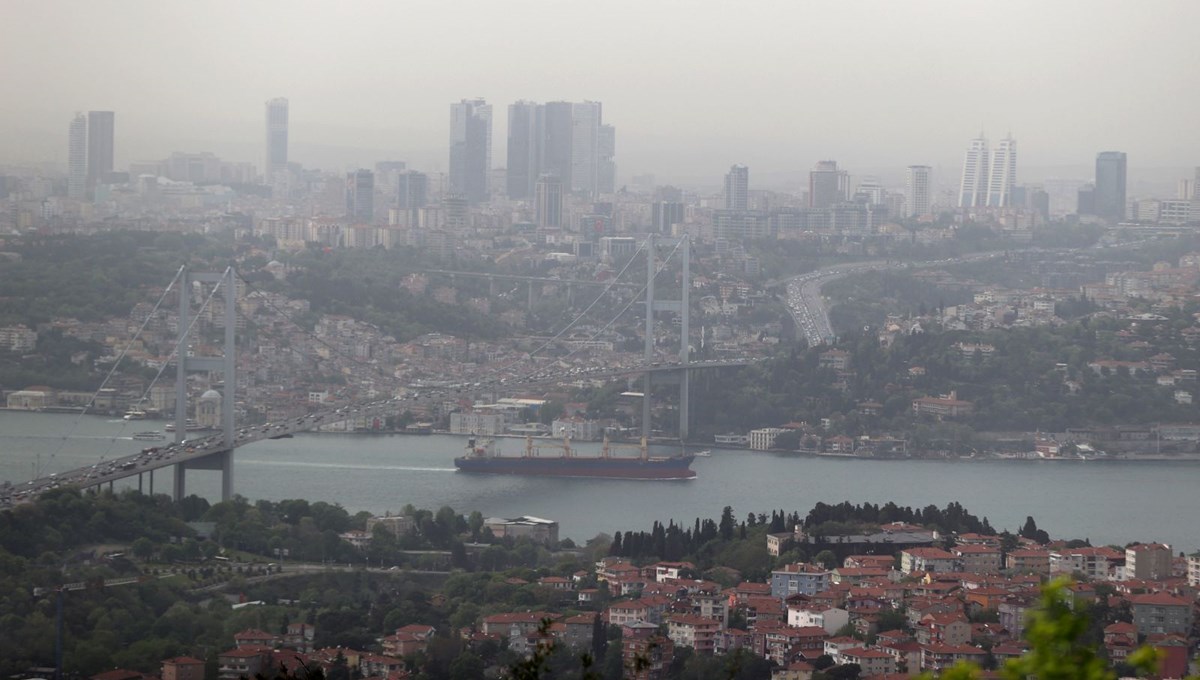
<point>682,307</point>
<point>226,365</point>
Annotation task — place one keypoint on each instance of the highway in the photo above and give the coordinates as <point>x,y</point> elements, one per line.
<point>807,306</point>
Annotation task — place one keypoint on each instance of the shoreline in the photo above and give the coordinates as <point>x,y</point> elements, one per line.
<point>1115,458</point>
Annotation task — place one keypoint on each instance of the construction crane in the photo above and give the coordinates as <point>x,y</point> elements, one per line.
<point>58,623</point>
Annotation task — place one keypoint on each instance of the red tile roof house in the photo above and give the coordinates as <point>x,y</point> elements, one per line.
<point>938,657</point>
<point>950,629</point>
<point>697,632</point>
<point>419,630</point>
<point>807,642</point>
<point>1161,613</point>
<point>871,661</point>
<point>182,668</point>
<point>616,571</point>
<point>525,622</point>
<point>906,653</point>
<point>242,662</point>
<point>403,644</point>
<point>626,612</point>
<point>300,636</point>
<point>1119,640</point>
<point>380,665</point>
<point>928,559</point>
<point>255,638</point>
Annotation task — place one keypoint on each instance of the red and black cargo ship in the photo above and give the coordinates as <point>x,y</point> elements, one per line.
<point>562,461</point>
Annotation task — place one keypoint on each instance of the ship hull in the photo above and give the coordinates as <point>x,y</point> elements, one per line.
<point>604,468</point>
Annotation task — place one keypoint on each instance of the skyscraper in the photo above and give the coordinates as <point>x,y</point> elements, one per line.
<point>972,190</point>
<point>826,185</point>
<point>1110,185</point>
<point>77,148</point>
<point>666,214</point>
<point>470,149</point>
<point>549,203</point>
<point>585,147</point>
<point>918,188</point>
<point>1002,174</point>
<point>412,190</point>
<point>606,181</point>
<point>277,137</point>
<point>565,139</point>
<point>99,146</point>
<point>360,196</point>
<point>737,188</point>
<point>525,131</point>
<point>557,131</point>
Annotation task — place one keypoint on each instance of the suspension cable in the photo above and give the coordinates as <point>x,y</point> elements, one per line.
<point>113,370</point>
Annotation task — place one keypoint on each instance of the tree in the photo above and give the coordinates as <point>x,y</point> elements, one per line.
<point>826,558</point>
<point>467,666</point>
<point>142,548</point>
<point>1030,529</point>
<point>728,523</point>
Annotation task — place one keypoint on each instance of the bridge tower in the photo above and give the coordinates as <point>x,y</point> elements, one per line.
<point>226,364</point>
<point>682,307</point>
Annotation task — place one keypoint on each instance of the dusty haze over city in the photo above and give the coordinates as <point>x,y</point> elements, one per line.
<point>691,86</point>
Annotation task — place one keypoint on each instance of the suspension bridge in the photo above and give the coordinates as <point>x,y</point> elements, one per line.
<point>215,451</point>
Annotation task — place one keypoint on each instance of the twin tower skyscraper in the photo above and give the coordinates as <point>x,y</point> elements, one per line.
<point>565,140</point>
<point>988,176</point>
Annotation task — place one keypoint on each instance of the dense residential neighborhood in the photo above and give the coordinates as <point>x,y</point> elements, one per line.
<point>836,593</point>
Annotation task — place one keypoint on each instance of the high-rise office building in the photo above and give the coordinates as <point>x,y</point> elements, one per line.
<point>826,185</point>
<point>470,149</point>
<point>918,189</point>
<point>1002,174</point>
<point>525,131</point>
<point>557,132</point>
<point>77,148</point>
<point>1110,185</point>
<point>412,190</point>
<point>666,214</point>
<point>973,188</point>
<point>1039,202</point>
<point>549,202</point>
<point>737,188</point>
<point>565,139</point>
<point>586,119</point>
<point>360,196</point>
<point>99,146</point>
<point>606,181</point>
<point>870,191</point>
<point>277,137</point>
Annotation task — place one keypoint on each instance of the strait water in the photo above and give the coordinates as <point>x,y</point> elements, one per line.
<point>1108,502</point>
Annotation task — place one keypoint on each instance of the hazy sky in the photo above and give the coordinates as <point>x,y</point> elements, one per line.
<point>691,86</point>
